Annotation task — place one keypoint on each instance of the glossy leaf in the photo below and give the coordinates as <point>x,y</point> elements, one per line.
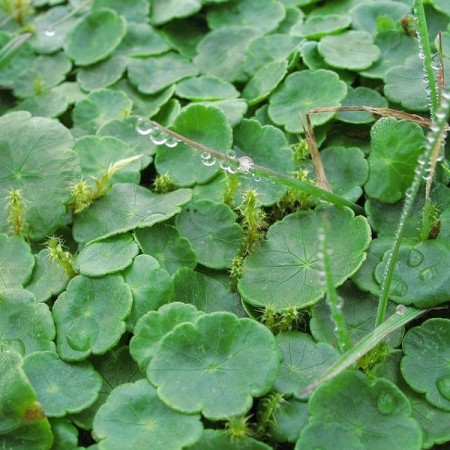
<point>298,94</point>
<point>206,88</point>
<point>303,360</point>
<point>108,256</point>
<point>183,163</point>
<point>28,164</point>
<point>374,413</point>
<point>151,328</point>
<point>17,262</point>
<point>150,285</point>
<point>144,421</point>
<point>26,326</point>
<point>95,37</point>
<point>205,293</point>
<point>79,312</point>
<point>61,387</point>
<point>425,369</point>
<point>212,230</point>
<point>167,246</point>
<point>215,365</point>
<point>395,147</point>
<point>284,271</point>
<point>127,207</point>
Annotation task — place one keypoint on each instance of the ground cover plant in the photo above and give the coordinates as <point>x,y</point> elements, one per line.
<point>224,224</point>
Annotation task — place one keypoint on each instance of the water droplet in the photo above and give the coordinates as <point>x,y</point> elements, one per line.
<point>144,126</point>
<point>224,164</point>
<point>446,95</point>
<point>50,32</point>
<point>440,115</point>
<point>400,310</point>
<point>443,386</point>
<point>79,343</point>
<point>209,162</point>
<point>386,403</point>
<point>398,287</point>
<point>158,136</point>
<point>245,164</point>
<point>231,153</point>
<point>256,177</point>
<point>421,55</point>
<point>172,141</point>
<point>415,258</point>
<point>205,155</point>
<point>340,302</point>
<point>427,274</point>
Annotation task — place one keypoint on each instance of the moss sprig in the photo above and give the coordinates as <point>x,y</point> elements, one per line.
<point>16,207</point>
<point>58,254</point>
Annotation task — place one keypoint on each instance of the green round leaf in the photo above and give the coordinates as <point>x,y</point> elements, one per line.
<point>298,94</point>
<point>145,422</point>
<point>166,10</point>
<point>61,387</point>
<point>366,16</point>
<point>213,232</point>
<point>328,436</point>
<point>268,147</point>
<point>65,434</point>
<point>95,37</point>
<point>27,163</point>
<point>205,87</point>
<point>346,170</point>
<point>115,367</point>
<point>17,262</point>
<point>361,96</point>
<point>303,361</point>
<point>234,109</point>
<point>48,278</point>
<point>421,276</point>
<point>205,293</point>
<point>219,439</point>
<point>51,104</point>
<point>164,243</point>
<point>183,163</point>
<point>126,207</point>
<point>395,48</point>
<point>24,425</point>
<point>221,52</point>
<point>395,147</point>
<point>426,364</point>
<point>353,50</point>
<point>265,81</point>
<point>375,413</point>
<point>315,27</point>
<point>267,14</point>
<point>26,326</point>
<point>284,271</point>
<point>102,74</point>
<point>97,154</point>
<point>142,40</point>
<point>266,49</point>
<point>45,73</point>
<point>215,365</point>
<point>79,312</point>
<point>152,327</point>
<point>137,11</point>
<point>108,256</point>
<point>152,75</point>
<point>151,286</point>
<point>404,85</point>
<point>97,108</point>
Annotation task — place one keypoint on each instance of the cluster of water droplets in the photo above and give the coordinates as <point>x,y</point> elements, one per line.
<point>435,65</point>
<point>156,134</point>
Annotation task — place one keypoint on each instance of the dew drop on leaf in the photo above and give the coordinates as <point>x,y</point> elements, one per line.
<point>385,403</point>
<point>427,274</point>
<point>79,343</point>
<point>50,32</point>
<point>144,126</point>
<point>209,162</point>
<point>205,155</point>
<point>159,137</point>
<point>256,177</point>
<point>399,287</point>
<point>415,258</point>
<point>172,142</point>
<point>245,164</point>
<point>443,386</point>
<point>400,310</point>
